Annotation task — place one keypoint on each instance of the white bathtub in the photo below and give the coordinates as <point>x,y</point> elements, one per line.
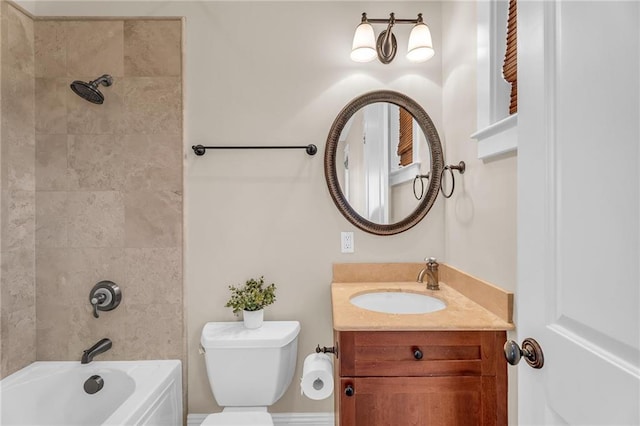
<point>134,393</point>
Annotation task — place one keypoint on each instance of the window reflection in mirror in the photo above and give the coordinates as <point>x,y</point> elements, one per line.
<point>380,151</point>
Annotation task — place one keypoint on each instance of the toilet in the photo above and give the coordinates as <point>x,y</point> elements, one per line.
<point>248,369</point>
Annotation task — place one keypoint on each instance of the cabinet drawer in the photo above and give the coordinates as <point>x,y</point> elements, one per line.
<point>415,353</point>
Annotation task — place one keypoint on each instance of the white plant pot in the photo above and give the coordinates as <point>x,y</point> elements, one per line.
<point>253,319</point>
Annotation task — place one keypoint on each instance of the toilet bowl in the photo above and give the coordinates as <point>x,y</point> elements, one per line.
<point>248,369</point>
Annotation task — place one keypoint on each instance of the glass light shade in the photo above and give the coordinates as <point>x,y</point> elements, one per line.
<point>364,44</point>
<point>420,44</point>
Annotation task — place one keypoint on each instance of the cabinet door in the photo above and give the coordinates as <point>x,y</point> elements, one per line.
<point>415,401</point>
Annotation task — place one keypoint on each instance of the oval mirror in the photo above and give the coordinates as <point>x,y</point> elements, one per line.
<point>379,152</point>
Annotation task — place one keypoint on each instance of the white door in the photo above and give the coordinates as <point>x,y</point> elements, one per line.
<point>579,211</point>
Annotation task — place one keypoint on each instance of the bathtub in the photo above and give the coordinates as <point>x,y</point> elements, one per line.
<point>134,393</point>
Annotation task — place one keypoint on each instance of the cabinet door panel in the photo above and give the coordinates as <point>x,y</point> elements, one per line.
<point>413,401</point>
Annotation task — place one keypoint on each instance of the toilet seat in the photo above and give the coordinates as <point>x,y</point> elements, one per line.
<point>239,418</point>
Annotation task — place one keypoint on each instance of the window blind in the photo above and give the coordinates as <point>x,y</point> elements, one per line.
<point>510,66</point>
<point>405,144</point>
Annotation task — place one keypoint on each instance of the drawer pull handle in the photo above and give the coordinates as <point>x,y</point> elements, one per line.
<point>348,390</point>
<point>417,353</point>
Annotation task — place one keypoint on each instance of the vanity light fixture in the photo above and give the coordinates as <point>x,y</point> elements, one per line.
<point>366,47</point>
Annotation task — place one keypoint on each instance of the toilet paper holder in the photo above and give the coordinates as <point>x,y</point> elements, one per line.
<point>330,350</point>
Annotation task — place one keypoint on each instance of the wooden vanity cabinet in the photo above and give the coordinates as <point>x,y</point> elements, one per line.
<point>402,378</point>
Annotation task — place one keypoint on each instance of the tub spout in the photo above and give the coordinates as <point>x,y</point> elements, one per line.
<point>102,346</point>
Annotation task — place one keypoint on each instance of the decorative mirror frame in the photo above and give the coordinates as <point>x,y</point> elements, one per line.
<point>437,162</point>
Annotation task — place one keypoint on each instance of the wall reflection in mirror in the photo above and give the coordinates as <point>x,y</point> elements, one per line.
<point>381,150</point>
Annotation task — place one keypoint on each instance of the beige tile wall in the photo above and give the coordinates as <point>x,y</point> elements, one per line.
<point>17,191</point>
<point>109,187</point>
<point>107,182</point>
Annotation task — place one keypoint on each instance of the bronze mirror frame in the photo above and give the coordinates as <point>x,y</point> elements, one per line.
<point>437,161</point>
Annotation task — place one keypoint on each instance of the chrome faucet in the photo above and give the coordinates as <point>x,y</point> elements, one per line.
<point>102,346</point>
<point>432,274</point>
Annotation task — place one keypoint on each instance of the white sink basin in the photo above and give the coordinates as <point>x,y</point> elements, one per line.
<point>397,302</point>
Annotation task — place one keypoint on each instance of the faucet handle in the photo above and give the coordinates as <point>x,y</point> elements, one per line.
<point>104,296</point>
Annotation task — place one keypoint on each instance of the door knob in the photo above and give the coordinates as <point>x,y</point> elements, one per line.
<point>531,351</point>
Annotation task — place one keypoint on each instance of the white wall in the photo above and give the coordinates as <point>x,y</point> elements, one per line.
<point>480,218</point>
<point>289,228</point>
<point>276,73</point>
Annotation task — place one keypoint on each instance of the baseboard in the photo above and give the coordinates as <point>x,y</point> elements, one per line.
<point>281,419</point>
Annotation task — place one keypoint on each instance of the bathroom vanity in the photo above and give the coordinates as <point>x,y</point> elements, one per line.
<point>421,378</point>
<point>441,368</point>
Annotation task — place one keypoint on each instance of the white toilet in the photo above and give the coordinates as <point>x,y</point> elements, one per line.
<point>248,369</point>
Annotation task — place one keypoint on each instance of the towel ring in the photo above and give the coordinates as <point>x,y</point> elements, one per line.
<point>415,194</point>
<point>461,167</point>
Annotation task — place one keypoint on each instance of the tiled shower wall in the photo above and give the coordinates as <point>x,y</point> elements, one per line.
<point>89,192</point>
<point>109,187</point>
<point>17,191</point>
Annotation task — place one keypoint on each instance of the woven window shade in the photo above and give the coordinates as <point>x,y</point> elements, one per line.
<point>510,67</point>
<point>405,144</point>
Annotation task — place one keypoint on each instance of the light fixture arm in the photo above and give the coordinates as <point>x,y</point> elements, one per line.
<point>387,47</point>
<point>391,18</point>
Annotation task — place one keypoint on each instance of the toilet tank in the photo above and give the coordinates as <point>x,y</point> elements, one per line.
<point>250,367</point>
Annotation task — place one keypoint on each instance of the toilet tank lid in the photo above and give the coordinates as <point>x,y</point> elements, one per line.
<point>272,334</point>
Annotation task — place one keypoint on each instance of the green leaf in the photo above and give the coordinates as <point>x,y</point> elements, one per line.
<point>253,296</point>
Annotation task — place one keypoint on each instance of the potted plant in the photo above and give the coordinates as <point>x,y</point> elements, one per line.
<point>251,300</point>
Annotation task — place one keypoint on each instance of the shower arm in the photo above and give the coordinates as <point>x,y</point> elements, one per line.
<point>105,80</point>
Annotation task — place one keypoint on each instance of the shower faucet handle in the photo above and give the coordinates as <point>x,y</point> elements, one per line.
<point>98,298</point>
<point>105,296</point>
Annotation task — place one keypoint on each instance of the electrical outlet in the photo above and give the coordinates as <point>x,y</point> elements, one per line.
<point>346,240</point>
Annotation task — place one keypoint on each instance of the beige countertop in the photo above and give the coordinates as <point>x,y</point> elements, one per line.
<point>461,313</point>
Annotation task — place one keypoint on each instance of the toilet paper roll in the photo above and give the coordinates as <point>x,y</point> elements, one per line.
<point>317,376</point>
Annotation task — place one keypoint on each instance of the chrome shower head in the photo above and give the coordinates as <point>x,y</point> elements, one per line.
<point>89,91</point>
